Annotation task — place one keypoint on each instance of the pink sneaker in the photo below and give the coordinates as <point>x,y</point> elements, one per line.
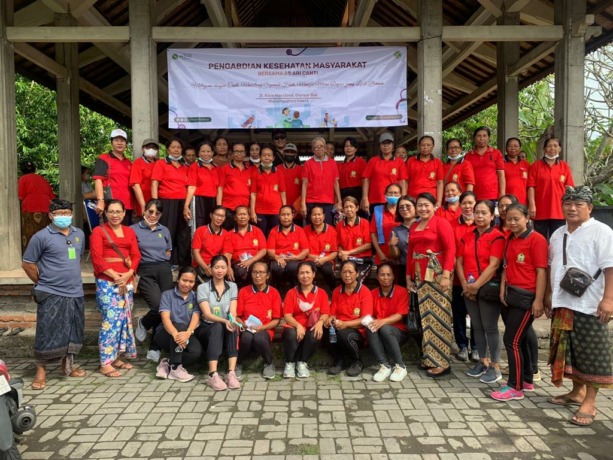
<point>180,374</point>
<point>163,369</point>
<point>507,393</point>
<point>216,383</point>
<point>527,387</point>
<point>232,381</point>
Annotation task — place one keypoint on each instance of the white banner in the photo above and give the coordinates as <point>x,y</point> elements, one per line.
<point>287,88</point>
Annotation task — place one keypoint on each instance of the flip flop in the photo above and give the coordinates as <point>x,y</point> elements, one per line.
<point>580,414</point>
<point>39,384</point>
<point>121,365</point>
<point>76,373</point>
<point>113,374</point>
<point>563,400</point>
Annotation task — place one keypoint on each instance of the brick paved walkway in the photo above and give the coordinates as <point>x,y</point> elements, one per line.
<point>323,417</point>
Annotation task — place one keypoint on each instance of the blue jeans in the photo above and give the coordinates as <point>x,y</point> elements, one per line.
<point>458,308</point>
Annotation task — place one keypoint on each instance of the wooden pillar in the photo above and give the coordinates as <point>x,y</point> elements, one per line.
<point>430,72</point>
<point>10,222</point>
<point>68,121</point>
<point>143,64</point>
<point>569,83</point>
<point>507,53</point>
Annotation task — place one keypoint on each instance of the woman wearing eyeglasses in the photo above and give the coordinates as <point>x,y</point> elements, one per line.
<point>155,272</point>
<point>115,257</point>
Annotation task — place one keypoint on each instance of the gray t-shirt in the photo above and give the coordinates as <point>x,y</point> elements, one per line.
<point>181,310</point>
<point>220,305</point>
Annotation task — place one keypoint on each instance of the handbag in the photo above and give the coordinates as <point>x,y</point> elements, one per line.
<point>519,298</point>
<point>413,318</point>
<point>490,291</point>
<point>575,280</point>
<point>313,316</point>
<point>127,262</point>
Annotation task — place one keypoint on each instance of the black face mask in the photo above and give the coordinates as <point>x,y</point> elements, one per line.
<point>290,158</point>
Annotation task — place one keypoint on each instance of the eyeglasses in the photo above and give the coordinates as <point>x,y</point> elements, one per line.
<point>154,213</point>
<point>278,138</point>
<point>405,207</point>
<point>259,273</point>
<point>319,147</point>
<point>221,216</point>
<point>114,213</point>
<point>62,213</point>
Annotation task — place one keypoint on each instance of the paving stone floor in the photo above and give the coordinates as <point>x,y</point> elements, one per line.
<point>138,416</point>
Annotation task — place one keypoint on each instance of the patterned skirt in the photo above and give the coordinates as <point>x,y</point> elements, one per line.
<point>31,223</point>
<point>116,334</point>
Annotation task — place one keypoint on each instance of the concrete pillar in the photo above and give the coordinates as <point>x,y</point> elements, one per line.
<point>143,66</point>
<point>68,121</point>
<point>569,83</point>
<point>430,72</point>
<point>10,222</point>
<point>507,53</point>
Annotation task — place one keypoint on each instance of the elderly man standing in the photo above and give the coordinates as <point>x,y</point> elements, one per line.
<point>580,342</point>
<point>52,261</point>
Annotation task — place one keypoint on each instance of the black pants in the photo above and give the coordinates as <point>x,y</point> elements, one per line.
<point>328,218</point>
<point>533,345</point>
<point>180,234</point>
<point>228,224</point>
<point>355,192</point>
<point>326,271</point>
<point>259,343</point>
<point>155,278</point>
<point>517,322</point>
<point>387,339</point>
<point>241,275</point>
<point>214,337</point>
<point>546,227</point>
<point>298,351</point>
<point>347,347</point>
<point>267,222</point>
<point>204,207</point>
<point>287,273</point>
<point>190,355</point>
<point>458,308</point>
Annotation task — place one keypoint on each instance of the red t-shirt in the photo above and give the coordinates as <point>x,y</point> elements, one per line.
<point>204,179</point>
<point>172,179</point>
<point>490,243</point>
<point>448,213</point>
<point>321,244</point>
<point>516,176</point>
<point>252,242</point>
<point>267,188</point>
<point>321,176</point>
<point>209,243</point>
<point>549,184</point>
<point>350,172</point>
<point>293,184</point>
<point>300,306</point>
<point>353,236</point>
<point>349,307</point>
<point>524,255</point>
<point>485,167</point>
<point>388,223</point>
<point>438,237</point>
<point>35,193</point>
<point>381,172</point>
<point>396,301</point>
<point>462,173</point>
<point>265,305</point>
<point>293,243</point>
<point>115,173</point>
<point>141,174</point>
<point>423,175</point>
<point>236,185</point>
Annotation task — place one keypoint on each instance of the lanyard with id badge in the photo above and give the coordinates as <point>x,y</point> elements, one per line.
<point>72,251</point>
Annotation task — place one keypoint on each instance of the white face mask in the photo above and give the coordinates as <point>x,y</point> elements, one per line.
<point>255,161</point>
<point>206,162</point>
<point>151,152</point>
<point>551,157</point>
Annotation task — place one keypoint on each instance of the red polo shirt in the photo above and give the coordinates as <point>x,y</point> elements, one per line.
<point>349,307</point>
<point>549,183</point>
<point>295,299</point>
<point>482,246</point>
<point>204,179</point>
<point>293,184</point>
<point>323,243</point>
<point>115,172</point>
<point>267,188</point>
<point>172,179</point>
<point>462,173</point>
<point>523,256</point>
<point>485,167</point>
<point>209,243</point>
<point>396,301</point>
<point>294,242</point>
<point>381,172</point>
<point>388,223</point>
<point>423,175</point>
<point>35,193</point>
<point>448,213</point>
<point>236,185</point>
<point>265,305</point>
<point>353,236</point>
<point>437,237</point>
<point>350,172</point>
<point>516,175</point>
<point>252,242</point>
<point>320,176</point>
<point>141,174</point>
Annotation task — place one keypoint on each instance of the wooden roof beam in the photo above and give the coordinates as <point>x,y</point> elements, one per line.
<point>79,7</point>
<point>363,12</point>
<point>90,55</point>
<point>164,7</point>
<point>218,17</point>
<point>537,12</point>
<point>34,15</point>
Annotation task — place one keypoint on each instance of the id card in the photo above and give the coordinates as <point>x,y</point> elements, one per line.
<point>72,253</point>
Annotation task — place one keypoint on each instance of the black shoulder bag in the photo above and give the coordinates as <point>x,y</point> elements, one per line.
<point>575,280</point>
<point>490,291</point>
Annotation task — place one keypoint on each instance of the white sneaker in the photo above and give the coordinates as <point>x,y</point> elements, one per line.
<point>398,374</point>
<point>290,371</point>
<point>140,333</point>
<point>154,355</point>
<point>163,369</point>
<point>302,370</point>
<point>383,373</point>
<point>179,373</point>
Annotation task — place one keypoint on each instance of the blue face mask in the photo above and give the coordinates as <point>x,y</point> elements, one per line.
<point>452,199</point>
<point>392,200</point>
<point>62,222</point>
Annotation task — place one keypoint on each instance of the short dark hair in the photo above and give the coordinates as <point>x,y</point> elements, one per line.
<point>187,269</point>
<point>352,141</point>
<point>58,204</point>
<point>427,196</point>
<point>482,128</point>
<point>175,139</point>
<point>155,202</point>
<point>116,201</point>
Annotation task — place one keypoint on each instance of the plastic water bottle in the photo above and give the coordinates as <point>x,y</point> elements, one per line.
<point>471,278</point>
<point>332,331</point>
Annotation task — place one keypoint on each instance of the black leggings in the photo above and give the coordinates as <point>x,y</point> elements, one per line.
<point>259,342</point>
<point>298,351</point>
<point>214,337</point>
<point>204,206</point>
<point>190,355</point>
<point>155,278</point>
<point>180,234</point>
<point>517,322</point>
<point>327,274</point>
<point>267,222</point>
<point>241,275</point>
<point>347,346</point>
<point>288,273</point>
